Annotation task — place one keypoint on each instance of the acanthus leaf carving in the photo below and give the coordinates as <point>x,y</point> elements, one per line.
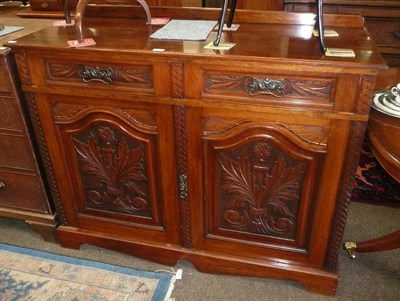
<point>257,196</point>
<point>309,88</point>
<point>113,172</point>
<point>63,70</point>
<point>134,75</point>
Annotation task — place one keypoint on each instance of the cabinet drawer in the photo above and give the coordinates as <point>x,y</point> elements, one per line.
<point>3,79</point>
<point>383,31</point>
<point>46,4</point>
<point>10,119</point>
<point>270,88</point>
<point>115,76</point>
<point>15,153</point>
<point>21,191</point>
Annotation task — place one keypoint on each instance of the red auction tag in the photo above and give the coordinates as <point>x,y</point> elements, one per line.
<point>159,21</point>
<point>84,43</point>
<point>63,23</point>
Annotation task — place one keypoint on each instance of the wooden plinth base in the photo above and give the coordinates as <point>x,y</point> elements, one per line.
<point>313,279</point>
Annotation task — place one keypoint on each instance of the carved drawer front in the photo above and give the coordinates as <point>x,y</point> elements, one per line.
<point>16,153</point>
<point>138,77</point>
<point>22,191</point>
<point>269,88</point>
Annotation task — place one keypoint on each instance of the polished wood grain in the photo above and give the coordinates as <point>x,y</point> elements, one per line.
<point>240,161</point>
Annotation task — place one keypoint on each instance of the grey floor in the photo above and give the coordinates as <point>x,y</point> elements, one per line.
<point>371,276</point>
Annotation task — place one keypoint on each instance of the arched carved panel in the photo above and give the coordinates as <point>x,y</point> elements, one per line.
<point>259,190</point>
<point>113,167</point>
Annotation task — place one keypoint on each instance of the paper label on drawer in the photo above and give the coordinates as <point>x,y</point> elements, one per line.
<point>328,33</point>
<point>84,43</point>
<point>340,52</point>
<point>221,46</point>
<point>63,23</point>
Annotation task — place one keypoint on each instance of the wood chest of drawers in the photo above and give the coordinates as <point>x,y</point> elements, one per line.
<point>240,161</point>
<point>23,192</point>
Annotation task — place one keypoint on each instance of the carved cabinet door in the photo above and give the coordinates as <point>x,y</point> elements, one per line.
<point>108,167</point>
<point>261,181</point>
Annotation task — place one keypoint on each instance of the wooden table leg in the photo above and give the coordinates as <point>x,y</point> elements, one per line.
<point>388,242</point>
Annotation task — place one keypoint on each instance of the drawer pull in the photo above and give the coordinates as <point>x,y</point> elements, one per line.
<point>266,86</point>
<point>100,74</point>
<point>2,185</point>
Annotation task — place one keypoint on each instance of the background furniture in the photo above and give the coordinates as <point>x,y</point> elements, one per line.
<point>382,19</point>
<point>23,192</point>
<point>239,161</point>
<point>383,135</point>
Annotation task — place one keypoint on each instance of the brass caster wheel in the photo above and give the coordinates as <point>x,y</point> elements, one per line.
<point>350,247</point>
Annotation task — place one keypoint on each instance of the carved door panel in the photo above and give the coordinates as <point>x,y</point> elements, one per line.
<point>111,176</point>
<point>260,183</point>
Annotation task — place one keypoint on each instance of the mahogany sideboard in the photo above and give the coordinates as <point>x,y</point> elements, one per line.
<point>23,192</point>
<point>240,161</point>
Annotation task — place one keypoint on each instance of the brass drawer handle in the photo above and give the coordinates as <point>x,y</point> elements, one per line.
<point>266,86</point>
<point>101,74</point>
<point>2,185</point>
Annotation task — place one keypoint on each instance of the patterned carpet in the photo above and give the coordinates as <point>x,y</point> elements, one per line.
<point>372,184</point>
<point>27,274</point>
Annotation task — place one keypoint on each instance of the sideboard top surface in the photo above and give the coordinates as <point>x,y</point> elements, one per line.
<point>254,42</point>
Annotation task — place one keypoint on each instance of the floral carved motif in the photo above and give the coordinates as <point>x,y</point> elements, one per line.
<point>112,171</point>
<point>260,190</point>
<point>289,87</point>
